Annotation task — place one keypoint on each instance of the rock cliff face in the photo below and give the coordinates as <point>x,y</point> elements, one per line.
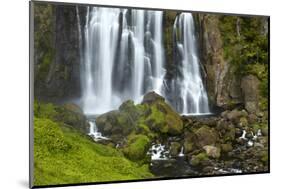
<point>250,88</point>
<point>222,84</point>
<point>60,80</point>
<point>234,54</point>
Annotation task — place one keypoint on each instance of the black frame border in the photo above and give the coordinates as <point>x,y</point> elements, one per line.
<point>31,95</point>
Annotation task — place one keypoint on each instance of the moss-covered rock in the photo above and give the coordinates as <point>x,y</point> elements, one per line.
<point>175,148</point>
<point>199,159</point>
<point>243,122</point>
<point>137,147</point>
<point>264,157</point>
<point>227,147</point>
<point>152,97</point>
<point>189,142</point>
<point>206,136</point>
<point>121,122</point>
<point>73,107</point>
<point>69,114</point>
<point>72,117</point>
<point>229,134</point>
<point>162,118</point>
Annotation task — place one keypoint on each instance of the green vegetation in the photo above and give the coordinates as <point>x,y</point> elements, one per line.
<point>62,155</point>
<point>246,37</point>
<point>199,159</point>
<point>43,39</point>
<point>160,117</point>
<point>44,110</point>
<point>137,147</point>
<point>245,43</point>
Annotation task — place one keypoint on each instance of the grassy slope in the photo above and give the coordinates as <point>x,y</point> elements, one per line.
<point>64,156</point>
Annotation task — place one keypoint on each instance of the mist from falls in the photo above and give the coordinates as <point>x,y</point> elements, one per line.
<point>122,57</point>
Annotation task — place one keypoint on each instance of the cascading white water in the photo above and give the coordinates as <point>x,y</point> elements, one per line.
<point>101,36</point>
<point>122,57</point>
<point>147,63</point>
<point>139,52</point>
<point>93,131</point>
<point>192,94</point>
<point>110,47</point>
<point>159,73</point>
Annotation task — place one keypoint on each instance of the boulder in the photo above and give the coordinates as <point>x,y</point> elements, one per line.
<point>243,122</point>
<point>199,159</point>
<point>175,148</point>
<point>152,118</point>
<point>227,147</point>
<point>252,118</point>
<point>73,107</point>
<point>161,118</point>
<point>72,115</point>
<point>228,134</point>
<point>189,142</point>
<point>206,136</point>
<point>137,147</point>
<point>212,151</point>
<point>152,97</point>
<point>115,123</point>
<point>235,115</point>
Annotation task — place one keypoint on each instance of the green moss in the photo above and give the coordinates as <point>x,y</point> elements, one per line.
<point>156,115</point>
<point>256,127</point>
<point>137,147</point>
<point>243,122</point>
<point>199,159</point>
<point>264,157</point>
<point>188,146</point>
<point>61,114</point>
<point>163,119</point>
<point>226,147</point>
<point>174,123</point>
<point>45,64</point>
<point>46,110</point>
<point>261,126</point>
<point>263,104</point>
<point>142,128</point>
<point>49,136</point>
<point>64,156</point>
<point>142,107</point>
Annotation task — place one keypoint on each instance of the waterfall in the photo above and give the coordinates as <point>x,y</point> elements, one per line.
<point>159,53</point>
<point>122,57</point>
<point>118,63</point>
<point>190,93</point>
<point>101,36</point>
<point>94,132</point>
<point>139,53</point>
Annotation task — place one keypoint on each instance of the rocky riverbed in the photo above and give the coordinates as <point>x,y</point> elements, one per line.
<point>232,141</point>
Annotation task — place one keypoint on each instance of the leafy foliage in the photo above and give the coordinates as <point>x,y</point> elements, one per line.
<point>245,43</point>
